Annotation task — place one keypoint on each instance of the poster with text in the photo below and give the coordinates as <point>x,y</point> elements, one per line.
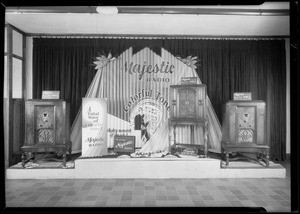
<point>94,127</point>
<point>136,83</point>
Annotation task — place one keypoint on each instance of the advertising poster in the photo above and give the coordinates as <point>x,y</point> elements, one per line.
<point>94,127</point>
<point>136,84</point>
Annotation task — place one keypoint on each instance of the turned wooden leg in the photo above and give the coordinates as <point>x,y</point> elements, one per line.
<point>23,160</point>
<point>64,159</point>
<point>70,152</point>
<point>170,138</point>
<point>205,139</point>
<point>174,134</point>
<point>205,149</point>
<point>32,156</point>
<point>192,134</point>
<point>267,159</point>
<point>227,159</point>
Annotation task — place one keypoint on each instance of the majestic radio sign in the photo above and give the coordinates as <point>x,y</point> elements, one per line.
<point>163,67</point>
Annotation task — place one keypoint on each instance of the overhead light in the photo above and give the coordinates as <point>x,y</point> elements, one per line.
<point>107,10</point>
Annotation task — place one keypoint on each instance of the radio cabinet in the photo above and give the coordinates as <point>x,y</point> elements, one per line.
<point>188,107</point>
<point>244,131</point>
<point>46,128</point>
<point>188,101</point>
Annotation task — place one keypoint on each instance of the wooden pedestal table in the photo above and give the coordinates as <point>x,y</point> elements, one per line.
<point>59,149</point>
<point>174,122</point>
<point>250,152</point>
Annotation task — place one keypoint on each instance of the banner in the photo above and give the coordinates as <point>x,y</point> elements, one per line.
<point>94,127</point>
<point>136,85</point>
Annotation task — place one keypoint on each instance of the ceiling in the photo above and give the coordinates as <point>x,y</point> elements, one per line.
<point>267,19</point>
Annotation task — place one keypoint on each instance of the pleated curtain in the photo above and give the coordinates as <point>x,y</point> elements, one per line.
<point>225,66</point>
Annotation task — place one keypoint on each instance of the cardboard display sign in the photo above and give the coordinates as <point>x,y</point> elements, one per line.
<point>124,144</point>
<point>50,94</point>
<point>242,96</point>
<point>188,80</point>
<point>187,149</point>
<point>94,127</point>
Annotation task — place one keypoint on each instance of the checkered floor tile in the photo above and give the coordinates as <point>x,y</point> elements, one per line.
<point>273,194</point>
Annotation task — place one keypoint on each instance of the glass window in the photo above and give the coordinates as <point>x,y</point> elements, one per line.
<point>5,76</point>
<point>17,78</point>
<point>17,43</point>
<point>5,40</point>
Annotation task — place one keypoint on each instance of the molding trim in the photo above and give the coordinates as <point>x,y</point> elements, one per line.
<point>172,10</point>
<point>15,28</point>
<point>159,36</point>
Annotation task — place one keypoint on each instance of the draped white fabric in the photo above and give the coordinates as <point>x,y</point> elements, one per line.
<point>125,91</point>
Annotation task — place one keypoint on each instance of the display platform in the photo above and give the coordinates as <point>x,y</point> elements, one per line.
<point>150,168</point>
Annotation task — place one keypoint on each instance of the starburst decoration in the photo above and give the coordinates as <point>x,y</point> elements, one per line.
<point>103,60</point>
<point>190,61</point>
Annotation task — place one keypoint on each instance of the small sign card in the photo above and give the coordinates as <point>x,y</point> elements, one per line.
<point>124,143</point>
<point>242,96</point>
<point>50,94</point>
<point>189,80</point>
<point>187,149</point>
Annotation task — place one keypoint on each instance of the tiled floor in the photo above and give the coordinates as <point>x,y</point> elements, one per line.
<point>271,193</point>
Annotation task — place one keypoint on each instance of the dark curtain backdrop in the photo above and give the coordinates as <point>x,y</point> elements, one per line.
<point>226,66</point>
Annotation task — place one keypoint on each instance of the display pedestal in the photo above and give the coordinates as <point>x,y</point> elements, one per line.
<point>151,168</point>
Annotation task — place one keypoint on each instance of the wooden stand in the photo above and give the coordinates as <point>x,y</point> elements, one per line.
<point>253,153</point>
<point>60,149</point>
<point>188,108</point>
<point>193,123</point>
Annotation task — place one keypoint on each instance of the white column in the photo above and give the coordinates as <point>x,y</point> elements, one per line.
<point>288,113</point>
<point>28,66</point>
